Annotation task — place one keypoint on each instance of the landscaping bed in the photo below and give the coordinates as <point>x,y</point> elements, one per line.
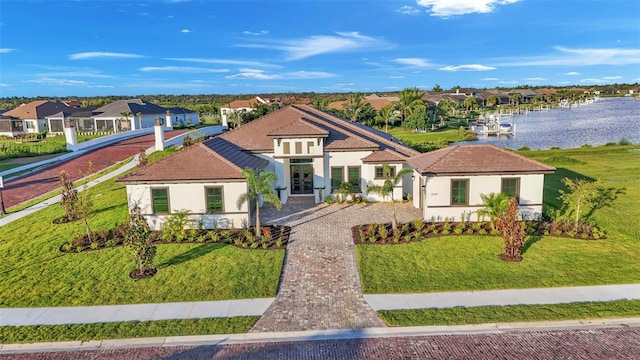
<point>274,237</point>
<point>419,230</point>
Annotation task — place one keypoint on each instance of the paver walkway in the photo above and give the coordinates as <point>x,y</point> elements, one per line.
<point>320,285</point>
<point>30,186</point>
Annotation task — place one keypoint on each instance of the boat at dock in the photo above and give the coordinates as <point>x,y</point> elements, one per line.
<point>494,125</point>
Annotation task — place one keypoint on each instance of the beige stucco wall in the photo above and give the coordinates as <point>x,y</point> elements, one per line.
<point>191,197</point>
<point>437,195</point>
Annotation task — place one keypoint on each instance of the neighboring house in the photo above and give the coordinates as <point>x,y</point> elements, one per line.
<point>33,115</point>
<point>80,119</point>
<point>180,115</point>
<point>143,114</point>
<point>451,180</point>
<point>312,152</point>
<point>238,105</point>
<point>377,102</point>
<point>10,126</point>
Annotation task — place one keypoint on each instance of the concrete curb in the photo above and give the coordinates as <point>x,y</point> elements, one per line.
<point>317,335</point>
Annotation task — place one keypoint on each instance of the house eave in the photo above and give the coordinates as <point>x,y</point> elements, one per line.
<point>480,173</point>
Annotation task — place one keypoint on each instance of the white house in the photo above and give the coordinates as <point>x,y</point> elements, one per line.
<point>312,152</point>
<point>451,180</point>
<point>31,117</point>
<point>131,114</point>
<point>183,116</point>
<point>239,105</point>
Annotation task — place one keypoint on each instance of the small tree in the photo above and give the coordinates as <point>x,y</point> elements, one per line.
<point>386,190</point>
<point>142,158</point>
<point>68,196</point>
<point>345,189</point>
<point>138,237</point>
<point>512,229</point>
<point>259,186</point>
<point>84,205</point>
<point>494,206</point>
<point>582,199</point>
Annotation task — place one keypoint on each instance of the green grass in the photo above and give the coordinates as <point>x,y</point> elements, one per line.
<point>128,329</point>
<point>50,145</point>
<point>514,313</point>
<point>470,262</point>
<point>442,135</point>
<point>33,271</point>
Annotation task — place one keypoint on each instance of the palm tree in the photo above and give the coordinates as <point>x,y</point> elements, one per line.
<point>515,98</point>
<point>492,101</point>
<point>470,103</point>
<point>259,186</point>
<point>494,206</point>
<point>353,106</point>
<point>139,115</point>
<point>125,115</point>
<point>320,103</point>
<point>409,99</point>
<point>386,114</point>
<point>236,117</point>
<point>385,190</point>
<point>437,88</point>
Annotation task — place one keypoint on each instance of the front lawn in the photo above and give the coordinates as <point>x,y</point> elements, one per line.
<point>513,313</point>
<point>34,272</point>
<point>471,263</point>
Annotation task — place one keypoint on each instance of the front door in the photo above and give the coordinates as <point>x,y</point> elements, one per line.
<point>301,179</point>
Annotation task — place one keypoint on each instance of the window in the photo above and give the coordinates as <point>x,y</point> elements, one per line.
<point>381,174</point>
<point>160,200</point>
<point>337,176</point>
<point>298,147</point>
<point>309,147</point>
<point>460,192</point>
<point>30,125</point>
<point>354,177</point>
<point>511,187</point>
<point>286,147</point>
<point>214,199</point>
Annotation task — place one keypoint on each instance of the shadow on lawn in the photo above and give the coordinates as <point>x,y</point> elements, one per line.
<point>191,254</point>
<point>532,240</point>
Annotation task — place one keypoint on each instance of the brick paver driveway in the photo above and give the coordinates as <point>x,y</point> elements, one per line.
<point>41,182</point>
<point>320,285</point>
<point>604,343</point>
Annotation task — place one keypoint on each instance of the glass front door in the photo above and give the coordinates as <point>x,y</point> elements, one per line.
<point>301,179</point>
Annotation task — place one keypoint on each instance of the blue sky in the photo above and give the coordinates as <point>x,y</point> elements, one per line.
<point>91,48</point>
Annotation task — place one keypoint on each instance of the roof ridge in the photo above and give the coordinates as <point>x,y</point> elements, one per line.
<point>215,153</point>
<point>520,156</point>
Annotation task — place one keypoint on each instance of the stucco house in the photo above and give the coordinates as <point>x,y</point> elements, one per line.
<point>246,105</point>
<point>312,152</point>
<point>143,115</point>
<point>31,117</point>
<point>451,180</point>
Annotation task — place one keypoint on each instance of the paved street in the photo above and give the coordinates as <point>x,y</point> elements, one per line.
<point>593,343</point>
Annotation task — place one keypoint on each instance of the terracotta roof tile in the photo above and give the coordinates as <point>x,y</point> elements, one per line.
<point>385,156</point>
<point>212,159</point>
<point>476,159</point>
<point>298,128</point>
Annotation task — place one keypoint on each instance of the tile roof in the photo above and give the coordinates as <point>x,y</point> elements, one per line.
<point>298,129</point>
<point>476,159</point>
<point>37,109</point>
<point>237,104</point>
<point>134,106</point>
<point>384,156</point>
<point>215,158</point>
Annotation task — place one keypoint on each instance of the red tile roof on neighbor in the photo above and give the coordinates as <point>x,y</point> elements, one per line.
<point>240,104</point>
<point>480,159</point>
<point>212,159</point>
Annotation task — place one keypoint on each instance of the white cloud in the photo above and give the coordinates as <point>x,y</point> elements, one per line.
<point>102,54</point>
<point>467,67</point>
<point>57,82</point>
<point>564,82</point>
<point>573,73</point>
<point>4,85</point>
<point>581,57</point>
<point>490,79</point>
<point>257,74</point>
<point>535,79</point>
<point>611,77</point>
<point>182,69</point>
<point>226,62</point>
<point>185,31</point>
<point>256,33</point>
<point>101,86</point>
<point>447,8</point>
<point>591,81</point>
<point>408,10</point>
<point>6,50</point>
<point>512,82</point>
<point>419,62</point>
<point>84,74</point>
<point>297,49</point>
<point>396,77</point>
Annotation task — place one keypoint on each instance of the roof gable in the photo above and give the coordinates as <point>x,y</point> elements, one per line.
<point>476,159</point>
<point>37,109</point>
<point>134,106</point>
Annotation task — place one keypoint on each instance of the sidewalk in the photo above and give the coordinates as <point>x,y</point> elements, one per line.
<point>556,295</point>
<point>256,307</point>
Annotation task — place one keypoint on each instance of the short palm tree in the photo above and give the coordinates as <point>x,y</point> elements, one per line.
<point>408,99</point>
<point>494,206</point>
<point>386,114</point>
<point>386,190</point>
<point>259,186</point>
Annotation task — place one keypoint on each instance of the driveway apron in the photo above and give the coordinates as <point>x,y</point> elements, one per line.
<point>320,285</point>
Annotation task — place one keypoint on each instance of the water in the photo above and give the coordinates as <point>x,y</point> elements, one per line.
<point>604,121</point>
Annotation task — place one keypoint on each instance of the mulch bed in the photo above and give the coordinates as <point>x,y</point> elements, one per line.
<point>274,237</point>
<point>418,230</point>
